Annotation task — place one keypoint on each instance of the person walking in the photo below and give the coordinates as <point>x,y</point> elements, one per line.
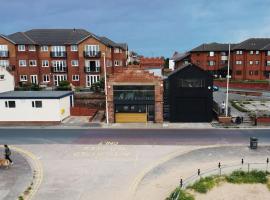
<point>8,154</point>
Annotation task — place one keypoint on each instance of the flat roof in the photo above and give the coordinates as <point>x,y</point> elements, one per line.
<point>35,94</point>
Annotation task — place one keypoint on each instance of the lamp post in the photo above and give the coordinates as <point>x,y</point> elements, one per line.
<point>228,80</point>
<point>105,87</point>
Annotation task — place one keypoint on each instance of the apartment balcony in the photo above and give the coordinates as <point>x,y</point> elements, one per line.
<point>4,54</point>
<point>91,69</point>
<point>92,54</point>
<point>59,69</point>
<point>58,54</point>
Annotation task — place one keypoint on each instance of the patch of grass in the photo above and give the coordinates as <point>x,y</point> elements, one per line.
<point>246,102</point>
<point>236,105</point>
<point>179,194</point>
<point>205,184</point>
<point>254,176</point>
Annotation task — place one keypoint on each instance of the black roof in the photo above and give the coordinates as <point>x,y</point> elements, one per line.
<point>179,56</point>
<point>253,44</point>
<point>212,47</point>
<point>58,37</point>
<point>35,94</point>
<point>184,66</point>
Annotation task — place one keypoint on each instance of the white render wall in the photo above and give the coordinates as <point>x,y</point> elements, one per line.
<point>8,83</point>
<point>52,110</point>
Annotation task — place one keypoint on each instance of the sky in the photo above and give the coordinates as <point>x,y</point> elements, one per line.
<point>150,27</point>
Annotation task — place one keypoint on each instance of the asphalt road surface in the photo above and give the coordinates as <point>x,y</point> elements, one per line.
<point>133,137</point>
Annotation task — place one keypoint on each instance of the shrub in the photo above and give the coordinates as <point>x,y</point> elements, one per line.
<point>203,185</point>
<point>64,85</point>
<point>179,194</point>
<point>236,105</point>
<point>247,177</point>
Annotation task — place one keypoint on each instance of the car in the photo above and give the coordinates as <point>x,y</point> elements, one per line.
<point>215,88</point>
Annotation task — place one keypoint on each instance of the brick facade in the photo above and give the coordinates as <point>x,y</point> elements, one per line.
<point>135,76</point>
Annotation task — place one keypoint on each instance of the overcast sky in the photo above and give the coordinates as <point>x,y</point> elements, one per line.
<point>150,27</point>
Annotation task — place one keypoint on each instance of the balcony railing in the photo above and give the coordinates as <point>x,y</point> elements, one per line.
<point>4,54</point>
<point>91,69</point>
<point>59,69</point>
<point>58,54</point>
<point>92,54</point>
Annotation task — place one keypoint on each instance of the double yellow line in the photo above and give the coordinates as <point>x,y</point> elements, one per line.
<point>37,168</point>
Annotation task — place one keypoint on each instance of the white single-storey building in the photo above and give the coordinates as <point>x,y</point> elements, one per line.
<point>6,80</point>
<point>35,106</point>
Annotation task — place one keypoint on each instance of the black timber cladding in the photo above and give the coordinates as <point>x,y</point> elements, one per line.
<point>189,95</point>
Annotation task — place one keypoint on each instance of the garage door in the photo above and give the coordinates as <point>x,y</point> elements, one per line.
<point>130,117</point>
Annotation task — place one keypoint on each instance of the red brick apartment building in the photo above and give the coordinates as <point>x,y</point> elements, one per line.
<point>48,56</point>
<point>250,59</point>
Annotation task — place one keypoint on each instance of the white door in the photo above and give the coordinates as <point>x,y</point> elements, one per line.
<point>90,79</point>
<point>34,79</point>
<point>58,78</point>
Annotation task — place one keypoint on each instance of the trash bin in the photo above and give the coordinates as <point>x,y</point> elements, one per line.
<point>253,143</point>
<point>238,120</point>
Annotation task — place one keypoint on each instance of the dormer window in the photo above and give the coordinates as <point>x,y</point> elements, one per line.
<point>44,48</point>
<point>21,47</point>
<point>32,48</point>
<point>74,47</point>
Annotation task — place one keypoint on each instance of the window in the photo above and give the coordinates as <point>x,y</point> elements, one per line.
<point>91,48</point>
<point>44,48</point>
<point>21,47</point>
<point>3,47</point>
<point>58,48</point>
<point>211,63</point>
<point>250,72</point>
<point>117,63</point>
<point>268,63</point>
<point>257,52</point>
<point>74,47</point>
<point>250,62</point>
<point>239,52</point>
<point>238,72</point>
<point>191,83</point>
<point>92,65</point>
<point>238,62</point>
<point>75,63</point>
<point>117,50</point>
<point>22,63</point>
<point>46,78</point>
<point>251,52</point>
<point>90,79</point>
<point>10,104</point>
<point>75,77</point>
<point>109,63</point>
<point>32,48</point>
<point>256,73</point>
<point>36,104</point>
<point>257,62</point>
<point>2,77</point>
<point>23,78</point>
<point>211,53</point>
<point>45,63</point>
<point>4,63</point>
<point>268,53</point>
<point>59,65</point>
<point>32,63</point>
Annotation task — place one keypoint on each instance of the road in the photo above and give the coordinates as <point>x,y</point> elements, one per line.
<point>133,137</point>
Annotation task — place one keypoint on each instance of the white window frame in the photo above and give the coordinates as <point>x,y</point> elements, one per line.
<point>23,78</point>
<point>46,78</point>
<point>251,52</point>
<point>58,48</point>
<point>74,47</point>
<point>34,104</point>
<point>3,47</point>
<point>91,48</point>
<point>257,52</point>
<point>34,64</point>
<point>74,64</point>
<point>91,79</point>
<point>7,104</point>
<point>211,63</point>
<point>118,63</point>
<point>239,52</point>
<point>268,63</point>
<point>4,63</point>
<point>257,62</point>
<point>31,47</point>
<point>44,48</point>
<point>238,62</point>
<point>251,62</point>
<point>45,63</point>
<point>21,64</point>
<point>60,65</point>
<point>21,47</point>
<point>211,53</point>
<point>75,77</point>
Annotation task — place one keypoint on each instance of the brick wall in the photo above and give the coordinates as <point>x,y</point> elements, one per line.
<point>81,111</point>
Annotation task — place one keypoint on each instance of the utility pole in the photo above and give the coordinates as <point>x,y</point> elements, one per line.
<point>105,87</point>
<point>228,80</point>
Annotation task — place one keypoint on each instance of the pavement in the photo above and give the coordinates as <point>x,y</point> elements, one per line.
<point>16,179</point>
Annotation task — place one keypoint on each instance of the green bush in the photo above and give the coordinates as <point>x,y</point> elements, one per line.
<point>236,105</point>
<point>204,184</point>
<point>179,194</point>
<point>98,86</point>
<point>63,86</point>
<point>247,177</point>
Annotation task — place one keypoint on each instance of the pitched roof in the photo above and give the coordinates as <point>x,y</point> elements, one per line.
<point>20,38</point>
<point>253,44</point>
<point>57,36</point>
<point>35,94</point>
<point>179,56</point>
<point>212,47</point>
<point>109,42</point>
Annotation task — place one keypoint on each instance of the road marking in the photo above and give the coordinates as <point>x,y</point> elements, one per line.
<point>37,168</point>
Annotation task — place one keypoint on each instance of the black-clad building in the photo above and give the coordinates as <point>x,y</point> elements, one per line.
<point>188,95</point>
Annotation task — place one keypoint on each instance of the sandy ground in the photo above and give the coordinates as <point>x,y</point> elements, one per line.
<point>229,191</point>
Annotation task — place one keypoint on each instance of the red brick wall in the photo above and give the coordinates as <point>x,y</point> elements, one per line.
<point>259,86</point>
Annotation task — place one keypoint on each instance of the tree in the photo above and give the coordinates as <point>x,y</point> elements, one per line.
<point>98,86</point>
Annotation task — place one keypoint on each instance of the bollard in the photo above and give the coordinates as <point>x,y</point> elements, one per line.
<point>199,172</point>
<point>219,166</point>
<point>181,183</point>
<point>267,163</point>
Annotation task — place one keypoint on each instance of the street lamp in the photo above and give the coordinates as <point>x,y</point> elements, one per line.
<point>228,80</point>
<point>105,87</point>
